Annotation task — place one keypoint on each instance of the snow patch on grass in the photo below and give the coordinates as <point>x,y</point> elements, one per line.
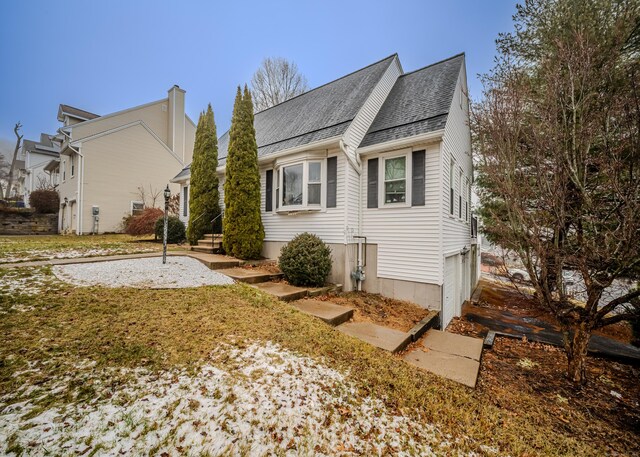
<point>178,272</point>
<point>256,400</point>
<point>26,281</point>
<point>51,254</point>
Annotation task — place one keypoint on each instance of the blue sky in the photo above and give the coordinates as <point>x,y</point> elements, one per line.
<point>104,56</point>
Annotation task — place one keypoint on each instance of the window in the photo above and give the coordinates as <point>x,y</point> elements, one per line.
<point>277,189</point>
<point>451,183</point>
<point>185,200</point>
<point>292,185</point>
<point>460,194</point>
<point>299,185</point>
<point>395,180</point>
<point>72,165</point>
<point>137,208</point>
<point>314,183</point>
<point>467,196</point>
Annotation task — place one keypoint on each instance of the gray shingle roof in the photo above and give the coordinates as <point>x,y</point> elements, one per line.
<point>47,148</point>
<point>418,103</point>
<point>318,114</point>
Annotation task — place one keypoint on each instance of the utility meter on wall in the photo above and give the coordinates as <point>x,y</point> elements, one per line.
<point>95,210</point>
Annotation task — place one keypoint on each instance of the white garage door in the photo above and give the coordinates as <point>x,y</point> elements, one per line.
<point>451,289</point>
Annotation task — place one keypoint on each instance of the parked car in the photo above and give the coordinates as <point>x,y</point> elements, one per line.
<point>491,260</point>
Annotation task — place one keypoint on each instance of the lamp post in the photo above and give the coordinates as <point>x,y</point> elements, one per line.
<point>167,195</point>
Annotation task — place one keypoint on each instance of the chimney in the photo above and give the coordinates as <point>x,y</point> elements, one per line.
<point>176,121</point>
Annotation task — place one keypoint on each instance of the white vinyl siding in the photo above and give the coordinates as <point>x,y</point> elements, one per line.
<point>327,223</point>
<point>456,149</point>
<point>407,237</point>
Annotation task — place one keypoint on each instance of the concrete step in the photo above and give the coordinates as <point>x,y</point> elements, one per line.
<point>203,249</point>
<point>211,244</point>
<point>209,236</point>
<point>383,337</point>
<point>329,312</point>
<point>282,291</point>
<point>452,356</point>
<point>329,289</point>
<point>215,261</point>
<point>250,275</point>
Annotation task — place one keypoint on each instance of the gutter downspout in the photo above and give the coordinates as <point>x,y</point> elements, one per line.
<point>78,177</point>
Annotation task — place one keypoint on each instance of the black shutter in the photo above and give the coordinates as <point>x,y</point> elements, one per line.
<point>417,180</point>
<point>268,203</point>
<point>332,181</point>
<point>372,183</point>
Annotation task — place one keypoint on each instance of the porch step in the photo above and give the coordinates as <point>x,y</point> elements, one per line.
<point>214,261</point>
<point>210,244</point>
<point>383,337</point>
<point>249,275</point>
<point>329,312</point>
<point>203,249</point>
<point>282,291</point>
<point>209,236</point>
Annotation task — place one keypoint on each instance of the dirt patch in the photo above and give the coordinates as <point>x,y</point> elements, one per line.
<point>268,267</point>
<point>525,377</point>
<point>396,314</point>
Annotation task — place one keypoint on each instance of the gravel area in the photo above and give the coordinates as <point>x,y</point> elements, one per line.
<point>148,273</point>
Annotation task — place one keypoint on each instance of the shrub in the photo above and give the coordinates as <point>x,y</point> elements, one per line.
<point>175,229</point>
<point>45,201</point>
<point>305,260</point>
<point>144,223</point>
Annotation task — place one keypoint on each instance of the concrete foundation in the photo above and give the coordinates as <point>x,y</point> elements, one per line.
<point>344,262</point>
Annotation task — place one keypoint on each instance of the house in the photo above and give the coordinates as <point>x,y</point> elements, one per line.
<point>105,160</point>
<point>40,163</point>
<point>378,164</point>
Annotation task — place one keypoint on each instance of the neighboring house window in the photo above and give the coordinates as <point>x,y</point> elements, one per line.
<point>299,185</point>
<point>64,170</point>
<point>185,200</point>
<point>451,184</point>
<point>137,208</point>
<point>460,194</point>
<point>395,180</point>
<point>72,165</point>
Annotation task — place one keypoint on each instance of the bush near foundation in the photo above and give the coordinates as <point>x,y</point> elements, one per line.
<point>45,201</point>
<point>143,224</point>
<point>306,261</point>
<point>175,229</point>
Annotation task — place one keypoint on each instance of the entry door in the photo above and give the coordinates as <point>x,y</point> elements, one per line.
<point>450,290</point>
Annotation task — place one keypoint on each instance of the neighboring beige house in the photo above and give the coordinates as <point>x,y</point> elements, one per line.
<point>104,160</point>
<point>378,164</point>
<point>40,163</point>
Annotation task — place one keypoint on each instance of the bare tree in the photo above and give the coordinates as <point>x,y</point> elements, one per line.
<point>276,81</point>
<point>558,133</point>
<point>10,177</point>
<point>151,197</point>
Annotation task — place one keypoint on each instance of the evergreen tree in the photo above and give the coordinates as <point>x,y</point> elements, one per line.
<point>204,201</point>
<point>242,227</point>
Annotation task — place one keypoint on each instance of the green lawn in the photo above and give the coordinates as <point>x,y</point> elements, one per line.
<point>28,248</point>
<point>79,348</point>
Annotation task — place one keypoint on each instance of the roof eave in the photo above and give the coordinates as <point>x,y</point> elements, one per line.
<point>402,142</point>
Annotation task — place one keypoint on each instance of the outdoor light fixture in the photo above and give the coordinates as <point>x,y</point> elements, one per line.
<point>167,196</point>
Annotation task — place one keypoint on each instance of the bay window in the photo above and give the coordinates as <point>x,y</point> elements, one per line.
<point>299,186</point>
